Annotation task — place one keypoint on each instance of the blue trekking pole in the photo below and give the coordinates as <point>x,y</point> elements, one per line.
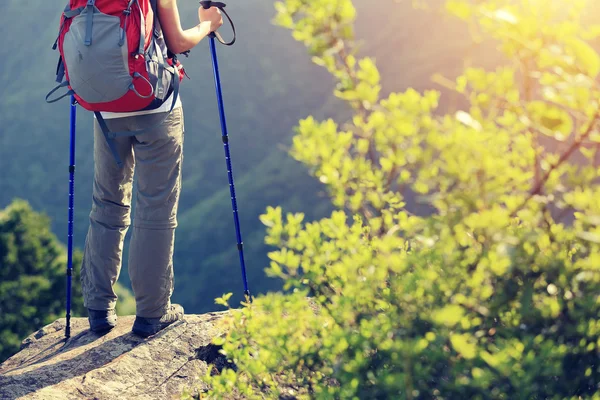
<point>71,207</point>
<point>213,51</point>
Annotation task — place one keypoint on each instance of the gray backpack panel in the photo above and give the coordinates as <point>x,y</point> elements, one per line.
<point>98,73</point>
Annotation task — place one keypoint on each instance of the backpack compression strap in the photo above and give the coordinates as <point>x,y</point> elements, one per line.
<point>60,86</point>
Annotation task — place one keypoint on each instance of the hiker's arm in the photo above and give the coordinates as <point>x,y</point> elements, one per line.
<point>178,39</point>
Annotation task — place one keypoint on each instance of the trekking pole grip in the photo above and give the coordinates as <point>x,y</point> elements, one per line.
<point>206,4</point>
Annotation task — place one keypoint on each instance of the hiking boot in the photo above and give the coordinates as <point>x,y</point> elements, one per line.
<point>149,326</point>
<point>102,320</point>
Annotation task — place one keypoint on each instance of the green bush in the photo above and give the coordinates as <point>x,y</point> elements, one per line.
<point>33,283</point>
<point>32,276</point>
<point>493,294</point>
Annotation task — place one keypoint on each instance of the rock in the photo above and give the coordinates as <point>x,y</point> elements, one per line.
<point>117,365</point>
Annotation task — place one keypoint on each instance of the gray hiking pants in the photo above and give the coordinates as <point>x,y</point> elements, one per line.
<point>156,156</point>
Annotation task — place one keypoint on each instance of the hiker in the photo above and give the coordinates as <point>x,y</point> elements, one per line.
<point>156,156</point>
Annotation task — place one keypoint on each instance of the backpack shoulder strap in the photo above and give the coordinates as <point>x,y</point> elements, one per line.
<point>154,7</point>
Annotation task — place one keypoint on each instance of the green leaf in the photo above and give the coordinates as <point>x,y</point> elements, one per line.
<point>449,315</point>
<point>506,16</point>
<point>459,8</point>
<point>224,300</point>
<point>590,236</point>
<point>463,345</point>
<point>587,58</point>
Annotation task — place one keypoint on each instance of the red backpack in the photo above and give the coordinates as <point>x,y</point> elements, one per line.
<point>114,57</point>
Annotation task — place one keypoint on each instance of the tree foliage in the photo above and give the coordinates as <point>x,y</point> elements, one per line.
<point>32,283</point>
<point>496,293</point>
<point>33,277</point>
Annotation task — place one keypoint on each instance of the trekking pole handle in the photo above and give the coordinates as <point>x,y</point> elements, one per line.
<point>206,4</point>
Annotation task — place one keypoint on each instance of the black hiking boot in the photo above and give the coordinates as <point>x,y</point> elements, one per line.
<point>102,321</point>
<point>149,326</point>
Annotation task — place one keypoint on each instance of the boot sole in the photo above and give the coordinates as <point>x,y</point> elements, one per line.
<point>150,330</point>
<point>103,328</point>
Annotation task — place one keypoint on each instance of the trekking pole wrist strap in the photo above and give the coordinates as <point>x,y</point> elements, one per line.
<point>206,4</point>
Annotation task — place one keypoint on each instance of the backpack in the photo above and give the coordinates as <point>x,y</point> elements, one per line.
<point>113,58</point>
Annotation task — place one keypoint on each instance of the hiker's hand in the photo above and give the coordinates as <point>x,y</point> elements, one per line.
<point>212,15</point>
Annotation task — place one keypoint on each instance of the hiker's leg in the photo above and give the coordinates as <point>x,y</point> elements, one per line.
<point>159,156</point>
<point>109,218</point>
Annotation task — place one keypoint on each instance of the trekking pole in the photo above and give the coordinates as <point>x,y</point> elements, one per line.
<point>225,136</point>
<point>71,207</point>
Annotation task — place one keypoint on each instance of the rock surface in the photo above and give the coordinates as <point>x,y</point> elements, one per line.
<point>117,365</point>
